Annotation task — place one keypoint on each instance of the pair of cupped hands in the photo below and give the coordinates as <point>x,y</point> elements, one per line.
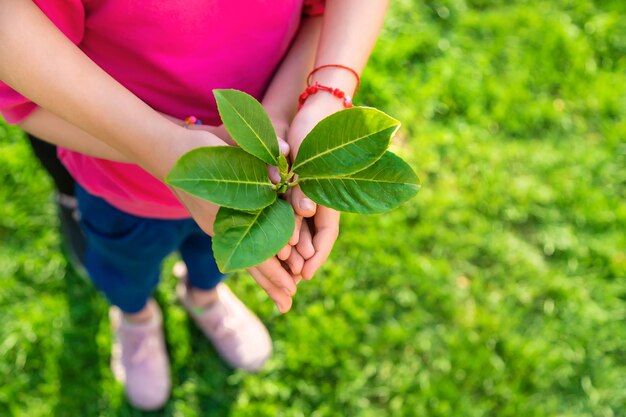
<point>316,228</point>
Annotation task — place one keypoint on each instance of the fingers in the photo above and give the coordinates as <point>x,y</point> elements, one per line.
<point>295,263</point>
<point>283,146</point>
<point>295,237</point>
<point>326,233</point>
<point>284,253</point>
<point>272,172</point>
<point>279,276</point>
<point>279,284</point>
<point>305,243</point>
<point>281,299</point>
<point>323,242</point>
<point>297,255</point>
<point>303,205</point>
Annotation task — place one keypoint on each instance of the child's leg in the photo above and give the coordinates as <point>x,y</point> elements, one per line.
<point>237,334</point>
<point>124,255</point>
<point>197,252</point>
<point>73,238</point>
<point>46,153</point>
<point>124,252</point>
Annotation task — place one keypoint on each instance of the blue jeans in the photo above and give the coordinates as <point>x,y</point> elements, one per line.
<point>125,252</point>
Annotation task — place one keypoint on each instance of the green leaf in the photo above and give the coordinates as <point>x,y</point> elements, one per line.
<point>244,239</point>
<point>224,175</point>
<point>380,187</point>
<point>283,166</point>
<point>248,124</point>
<point>345,142</point>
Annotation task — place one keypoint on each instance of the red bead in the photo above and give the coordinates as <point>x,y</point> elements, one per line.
<point>338,93</point>
<point>316,87</point>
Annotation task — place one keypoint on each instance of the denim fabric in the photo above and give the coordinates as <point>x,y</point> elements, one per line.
<point>125,252</point>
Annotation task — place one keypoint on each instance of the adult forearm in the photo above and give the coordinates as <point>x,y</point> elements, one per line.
<point>41,63</point>
<point>281,97</point>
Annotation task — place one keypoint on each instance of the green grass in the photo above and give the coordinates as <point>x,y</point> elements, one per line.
<point>499,291</point>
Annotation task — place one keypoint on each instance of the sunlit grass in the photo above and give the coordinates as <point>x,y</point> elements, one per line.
<point>499,291</point>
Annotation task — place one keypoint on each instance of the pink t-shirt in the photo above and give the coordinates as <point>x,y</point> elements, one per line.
<point>171,54</point>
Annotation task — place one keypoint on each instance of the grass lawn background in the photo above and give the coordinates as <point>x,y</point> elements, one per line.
<point>499,291</point>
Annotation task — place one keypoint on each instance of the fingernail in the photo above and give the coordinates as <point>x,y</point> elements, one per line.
<point>286,291</point>
<point>284,147</point>
<point>306,204</point>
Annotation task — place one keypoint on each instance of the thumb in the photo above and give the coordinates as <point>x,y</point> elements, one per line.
<point>283,146</point>
<point>303,205</point>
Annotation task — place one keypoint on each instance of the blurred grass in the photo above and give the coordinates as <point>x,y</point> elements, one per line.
<point>499,291</point>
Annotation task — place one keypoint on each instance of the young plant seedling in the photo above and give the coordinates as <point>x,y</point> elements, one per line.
<point>343,163</point>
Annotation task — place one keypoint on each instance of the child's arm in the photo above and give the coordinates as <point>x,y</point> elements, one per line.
<point>280,101</point>
<point>47,126</point>
<point>281,98</point>
<point>42,64</point>
<point>39,62</point>
<point>350,29</point>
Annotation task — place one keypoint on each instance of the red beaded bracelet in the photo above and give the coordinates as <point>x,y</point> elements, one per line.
<point>315,87</point>
<point>356,75</point>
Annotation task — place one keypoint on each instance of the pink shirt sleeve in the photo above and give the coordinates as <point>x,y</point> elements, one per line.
<point>69,17</point>
<point>314,7</point>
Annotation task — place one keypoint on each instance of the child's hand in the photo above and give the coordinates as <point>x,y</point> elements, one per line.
<point>277,282</point>
<point>323,228</point>
<point>301,251</point>
<point>221,132</point>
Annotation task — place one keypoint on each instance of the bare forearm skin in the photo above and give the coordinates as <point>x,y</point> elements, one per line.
<point>349,31</point>
<point>281,97</point>
<point>49,127</point>
<point>39,62</point>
